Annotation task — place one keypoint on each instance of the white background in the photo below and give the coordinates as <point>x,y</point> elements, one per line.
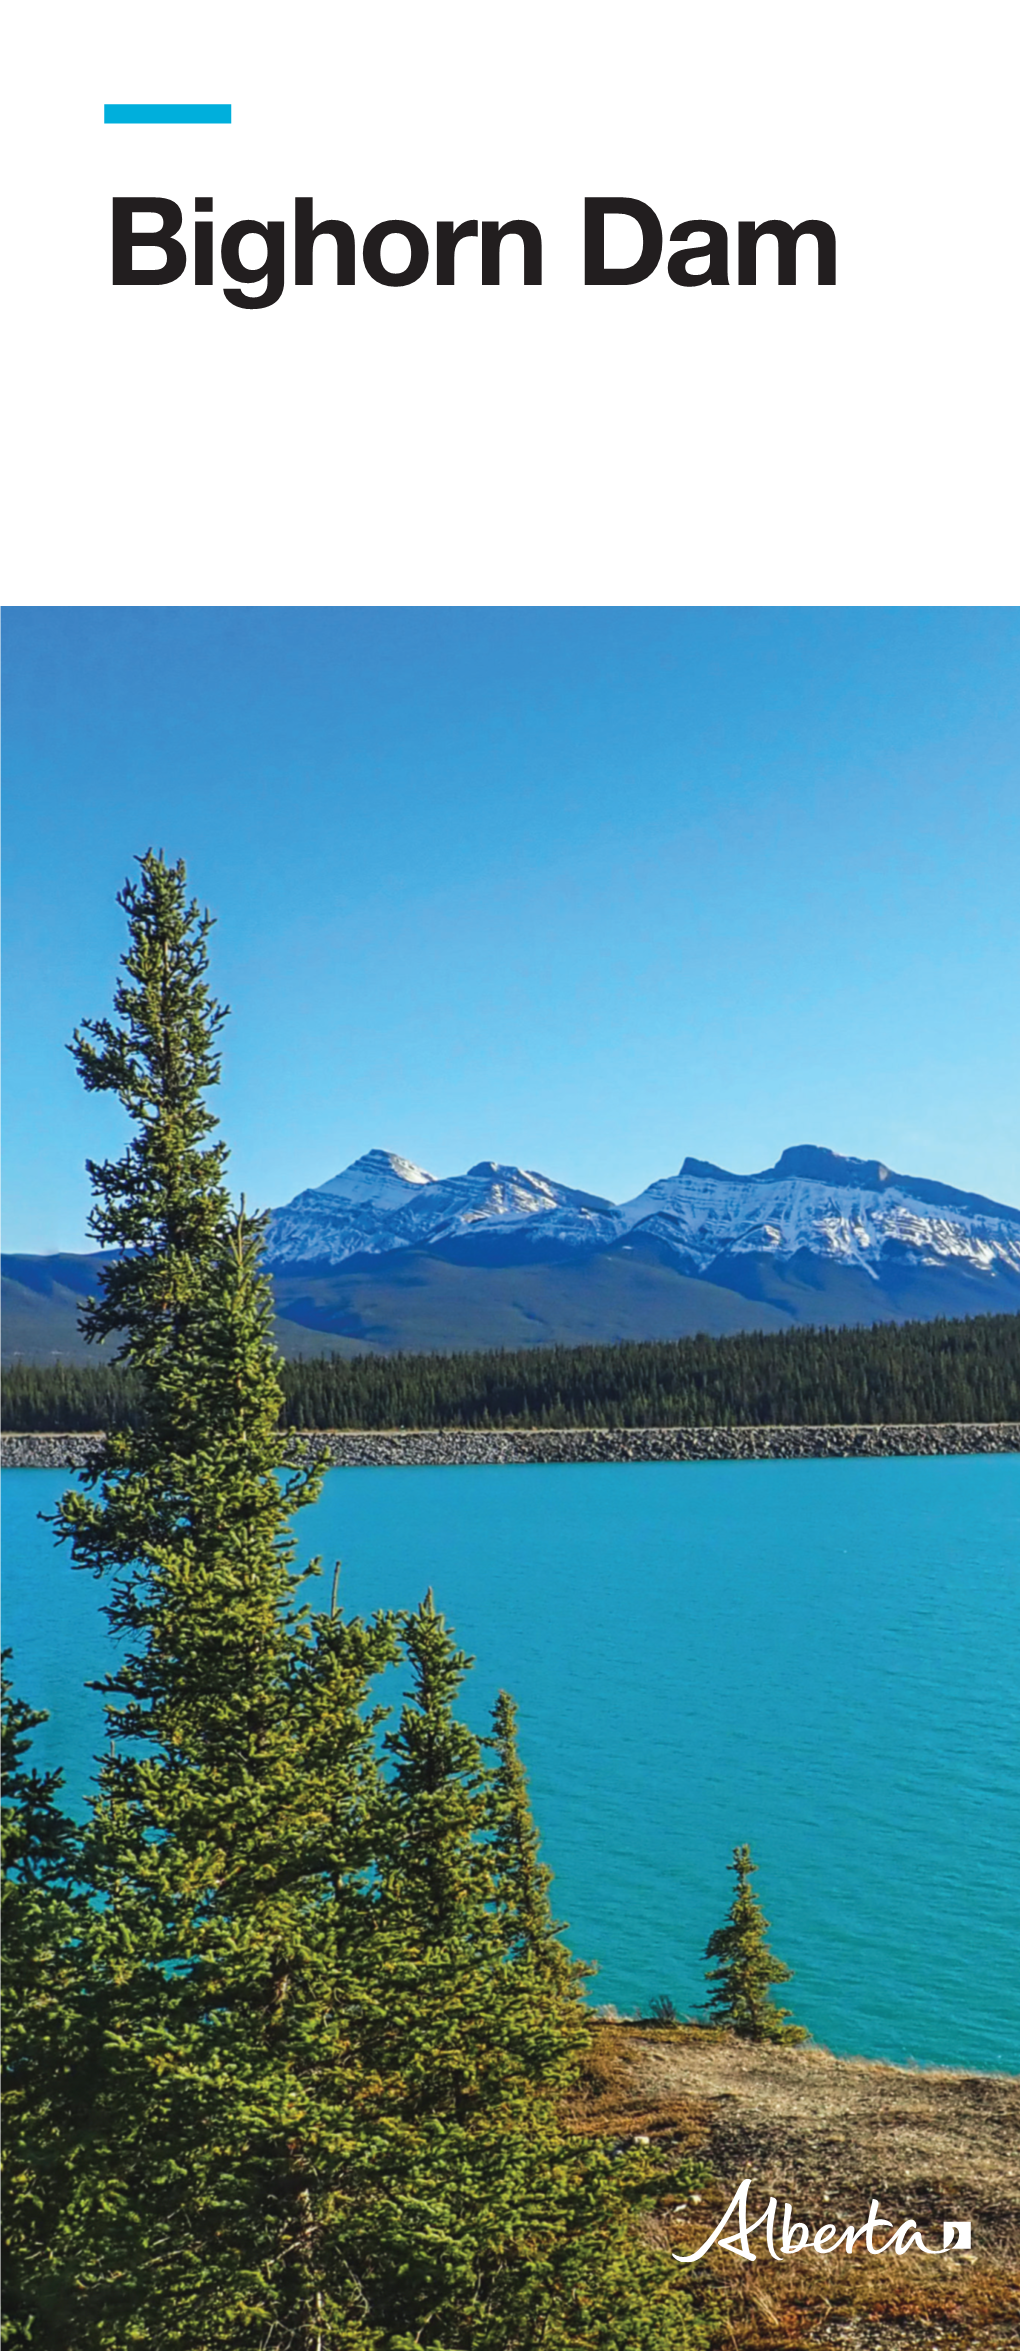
<point>540,445</point>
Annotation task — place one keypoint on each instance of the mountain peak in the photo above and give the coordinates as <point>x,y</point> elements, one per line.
<point>377,1177</point>
<point>406,1168</point>
<point>830,1167</point>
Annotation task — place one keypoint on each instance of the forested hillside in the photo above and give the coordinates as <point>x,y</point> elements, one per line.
<point>913,1372</point>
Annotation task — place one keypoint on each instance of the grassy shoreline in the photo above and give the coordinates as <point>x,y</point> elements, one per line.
<point>826,2134</point>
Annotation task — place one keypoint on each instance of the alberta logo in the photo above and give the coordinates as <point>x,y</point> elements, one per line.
<point>794,2236</point>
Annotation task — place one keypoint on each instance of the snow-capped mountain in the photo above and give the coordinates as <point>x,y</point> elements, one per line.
<point>357,1211</point>
<point>378,1180</point>
<point>852,1213</point>
<point>852,1210</point>
<point>382,1203</point>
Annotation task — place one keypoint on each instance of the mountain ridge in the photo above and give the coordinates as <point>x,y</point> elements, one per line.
<point>859,1212</point>
<point>814,1160</point>
<point>385,1256</point>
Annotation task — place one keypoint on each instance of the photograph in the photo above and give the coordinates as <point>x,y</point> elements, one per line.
<point>511,1490</point>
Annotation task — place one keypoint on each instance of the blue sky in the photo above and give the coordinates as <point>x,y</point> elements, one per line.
<point>582,889</point>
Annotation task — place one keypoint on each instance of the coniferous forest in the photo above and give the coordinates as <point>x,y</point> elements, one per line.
<point>912,1372</point>
<point>288,2021</point>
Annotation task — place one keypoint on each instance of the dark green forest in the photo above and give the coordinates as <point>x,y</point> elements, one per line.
<point>907,1373</point>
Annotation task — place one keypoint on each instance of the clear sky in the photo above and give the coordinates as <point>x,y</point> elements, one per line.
<point>581,889</point>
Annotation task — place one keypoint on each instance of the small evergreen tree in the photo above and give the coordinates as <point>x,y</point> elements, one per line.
<point>522,1880</point>
<point>740,1996</point>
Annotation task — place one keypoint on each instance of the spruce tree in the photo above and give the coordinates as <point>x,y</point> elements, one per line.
<point>522,1879</point>
<point>484,2225</point>
<point>227,1848</point>
<point>544,1970</point>
<point>741,1981</point>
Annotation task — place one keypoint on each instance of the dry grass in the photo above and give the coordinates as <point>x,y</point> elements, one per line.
<point>825,2135</point>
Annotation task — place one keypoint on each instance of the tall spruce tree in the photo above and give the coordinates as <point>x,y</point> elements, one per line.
<point>227,1846</point>
<point>741,1982</point>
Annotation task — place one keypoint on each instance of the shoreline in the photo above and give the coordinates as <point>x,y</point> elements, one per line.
<point>825,2135</point>
<point>460,1448</point>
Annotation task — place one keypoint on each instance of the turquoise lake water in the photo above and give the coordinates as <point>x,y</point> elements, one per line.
<point>819,1658</point>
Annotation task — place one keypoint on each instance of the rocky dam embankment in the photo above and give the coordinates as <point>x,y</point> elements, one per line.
<point>456,1448</point>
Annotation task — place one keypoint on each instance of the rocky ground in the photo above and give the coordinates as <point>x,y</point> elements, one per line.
<point>826,2135</point>
<point>453,1448</point>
